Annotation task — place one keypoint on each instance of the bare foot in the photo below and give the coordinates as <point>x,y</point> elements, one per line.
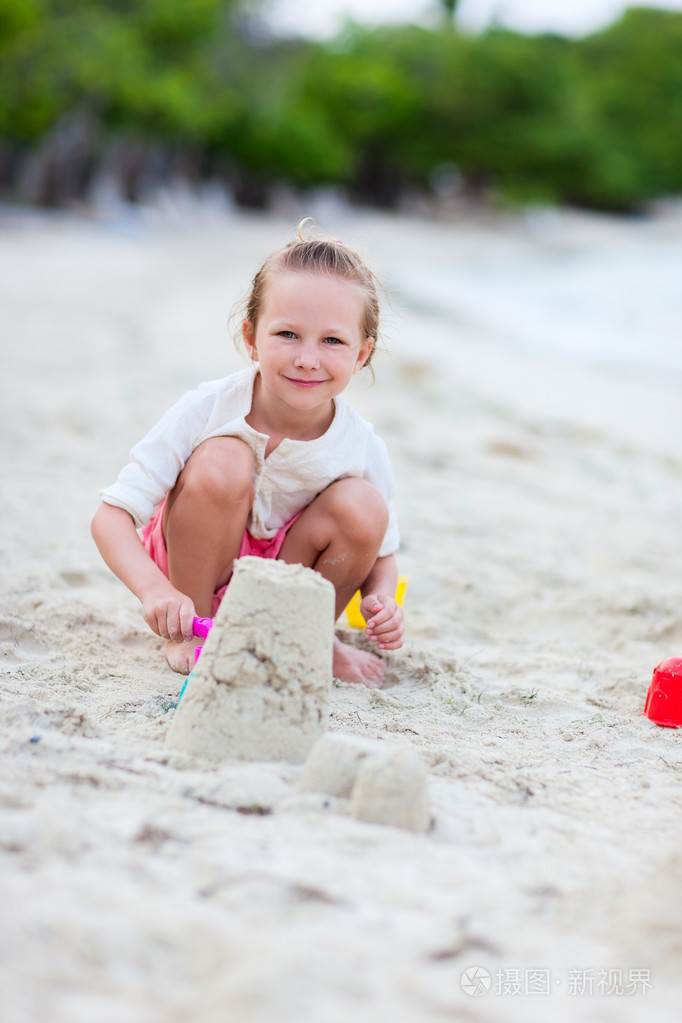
<point>180,656</point>
<point>351,665</point>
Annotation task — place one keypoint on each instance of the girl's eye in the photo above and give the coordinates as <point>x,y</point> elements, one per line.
<point>286,333</point>
<point>333,341</point>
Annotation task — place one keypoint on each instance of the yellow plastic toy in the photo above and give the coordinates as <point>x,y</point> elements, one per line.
<point>355,619</point>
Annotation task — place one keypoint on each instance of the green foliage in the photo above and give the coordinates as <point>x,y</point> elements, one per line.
<point>17,17</point>
<point>596,121</point>
<point>633,76</point>
<point>135,64</point>
<point>369,105</point>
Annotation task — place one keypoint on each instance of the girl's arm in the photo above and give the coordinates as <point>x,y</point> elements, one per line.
<point>379,608</point>
<point>168,612</point>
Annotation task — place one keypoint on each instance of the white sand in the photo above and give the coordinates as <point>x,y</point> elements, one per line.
<point>541,511</point>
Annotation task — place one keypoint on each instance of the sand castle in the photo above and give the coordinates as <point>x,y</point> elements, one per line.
<point>385,784</point>
<point>261,686</point>
<point>260,692</point>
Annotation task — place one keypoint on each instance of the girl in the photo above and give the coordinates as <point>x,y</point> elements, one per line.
<point>269,461</point>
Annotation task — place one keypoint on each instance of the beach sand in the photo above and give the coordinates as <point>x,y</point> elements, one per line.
<point>540,502</point>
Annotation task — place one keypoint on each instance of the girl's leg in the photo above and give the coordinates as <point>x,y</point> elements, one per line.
<point>204,521</point>
<point>339,535</point>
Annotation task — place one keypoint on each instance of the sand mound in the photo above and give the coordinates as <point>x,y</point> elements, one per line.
<point>261,687</point>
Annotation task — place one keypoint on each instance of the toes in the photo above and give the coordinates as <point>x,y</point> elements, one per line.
<point>372,670</point>
<point>180,656</point>
<point>358,666</point>
<point>372,683</point>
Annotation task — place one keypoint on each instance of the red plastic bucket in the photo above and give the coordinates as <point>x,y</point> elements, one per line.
<point>664,700</point>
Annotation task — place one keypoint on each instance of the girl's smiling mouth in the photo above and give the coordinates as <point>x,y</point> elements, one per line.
<point>304,383</point>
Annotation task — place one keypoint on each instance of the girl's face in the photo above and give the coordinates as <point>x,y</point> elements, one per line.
<point>308,339</point>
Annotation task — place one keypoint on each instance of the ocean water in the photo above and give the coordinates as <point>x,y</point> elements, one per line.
<point>614,301</point>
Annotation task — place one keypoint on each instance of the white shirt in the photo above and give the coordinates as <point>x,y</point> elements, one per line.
<point>284,483</point>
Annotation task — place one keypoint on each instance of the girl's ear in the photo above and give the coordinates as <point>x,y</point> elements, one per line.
<point>364,353</point>
<point>249,335</point>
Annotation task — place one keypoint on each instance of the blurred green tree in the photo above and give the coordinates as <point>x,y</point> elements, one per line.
<point>370,103</point>
<point>450,7</point>
<point>631,76</point>
<point>146,86</point>
<point>72,72</point>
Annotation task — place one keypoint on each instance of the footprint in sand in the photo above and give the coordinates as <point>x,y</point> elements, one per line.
<point>75,578</point>
<point>19,644</point>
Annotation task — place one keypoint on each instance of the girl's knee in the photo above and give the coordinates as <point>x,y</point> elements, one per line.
<point>359,508</point>
<point>220,468</point>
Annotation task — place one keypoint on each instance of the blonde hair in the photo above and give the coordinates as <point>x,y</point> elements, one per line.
<point>319,256</point>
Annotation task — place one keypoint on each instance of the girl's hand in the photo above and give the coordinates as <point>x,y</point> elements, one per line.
<point>169,613</point>
<point>384,618</point>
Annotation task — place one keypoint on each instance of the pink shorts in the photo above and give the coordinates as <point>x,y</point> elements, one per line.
<point>155,545</point>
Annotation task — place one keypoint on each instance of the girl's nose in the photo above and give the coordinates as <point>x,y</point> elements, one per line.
<point>306,356</point>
